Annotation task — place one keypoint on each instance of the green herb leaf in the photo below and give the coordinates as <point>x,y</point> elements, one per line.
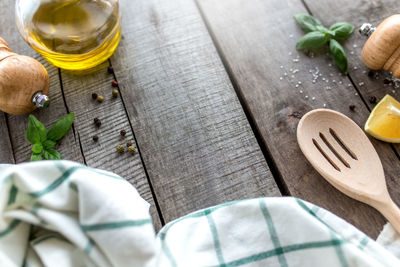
<point>321,28</point>
<point>35,132</point>
<point>338,55</point>
<point>51,154</point>
<point>37,148</point>
<point>311,40</point>
<point>308,23</point>
<point>48,144</point>
<point>342,30</point>
<point>36,157</point>
<point>61,127</point>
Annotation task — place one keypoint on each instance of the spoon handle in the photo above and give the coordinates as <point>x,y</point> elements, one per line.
<point>392,213</point>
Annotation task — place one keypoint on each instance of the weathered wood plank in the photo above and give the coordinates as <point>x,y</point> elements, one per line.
<point>102,154</point>
<point>22,149</point>
<point>256,38</point>
<point>195,140</point>
<point>6,152</point>
<point>358,12</point>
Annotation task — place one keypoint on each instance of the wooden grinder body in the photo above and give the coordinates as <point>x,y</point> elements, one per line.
<point>382,49</point>
<point>20,78</point>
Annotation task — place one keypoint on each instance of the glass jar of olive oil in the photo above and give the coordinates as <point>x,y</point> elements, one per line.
<point>70,34</point>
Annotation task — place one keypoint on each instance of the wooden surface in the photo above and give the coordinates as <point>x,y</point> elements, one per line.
<point>194,138</point>
<point>341,152</point>
<point>202,99</point>
<point>254,58</point>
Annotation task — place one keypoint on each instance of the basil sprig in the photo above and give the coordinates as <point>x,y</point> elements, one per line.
<point>44,141</point>
<point>317,35</point>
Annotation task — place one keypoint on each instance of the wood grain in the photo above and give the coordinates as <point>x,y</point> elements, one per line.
<point>69,147</point>
<point>102,154</point>
<point>6,152</point>
<point>195,140</point>
<point>257,40</point>
<point>361,11</point>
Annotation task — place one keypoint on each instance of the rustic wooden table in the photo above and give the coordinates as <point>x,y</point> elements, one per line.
<point>203,102</point>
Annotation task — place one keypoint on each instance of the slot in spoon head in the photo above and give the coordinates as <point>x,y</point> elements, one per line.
<point>340,151</point>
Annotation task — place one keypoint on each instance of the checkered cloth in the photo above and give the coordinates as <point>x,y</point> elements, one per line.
<point>60,213</point>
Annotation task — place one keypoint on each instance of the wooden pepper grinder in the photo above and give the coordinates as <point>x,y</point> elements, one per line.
<point>382,49</point>
<point>24,82</point>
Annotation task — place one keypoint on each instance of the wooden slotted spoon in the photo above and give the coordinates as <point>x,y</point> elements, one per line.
<point>340,151</point>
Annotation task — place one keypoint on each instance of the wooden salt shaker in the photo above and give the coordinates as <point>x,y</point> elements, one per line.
<point>382,49</point>
<point>24,82</point>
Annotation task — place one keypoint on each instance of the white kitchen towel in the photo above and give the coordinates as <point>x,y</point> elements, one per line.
<point>60,213</point>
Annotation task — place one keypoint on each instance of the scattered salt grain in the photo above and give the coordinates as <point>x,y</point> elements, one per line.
<point>361,83</point>
<point>313,98</point>
<point>281,78</point>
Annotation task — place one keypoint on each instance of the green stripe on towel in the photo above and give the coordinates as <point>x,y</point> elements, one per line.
<point>56,183</point>
<point>272,231</point>
<point>114,225</point>
<point>282,250</point>
<point>214,232</point>
<point>13,195</point>
<point>166,250</point>
<point>13,224</point>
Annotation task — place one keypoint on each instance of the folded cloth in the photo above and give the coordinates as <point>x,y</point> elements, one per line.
<point>60,213</point>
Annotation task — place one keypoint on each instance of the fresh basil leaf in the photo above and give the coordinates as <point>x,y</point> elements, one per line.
<point>36,157</point>
<point>51,154</point>
<point>311,40</point>
<point>338,55</point>
<point>61,127</point>
<point>307,23</point>
<point>37,148</point>
<point>342,30</point>
<point>321,28</point>
<point>330,33</point>
<point>35,132</point>
<point>48,144</point>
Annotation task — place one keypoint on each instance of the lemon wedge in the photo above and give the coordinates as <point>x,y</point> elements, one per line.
<point>384,121</point>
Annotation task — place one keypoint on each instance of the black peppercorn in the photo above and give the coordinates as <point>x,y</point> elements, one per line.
<point>372,99</point>
<point>94,96</point>
<point>386,81</point>
<point>110,70</point>
<point>122,132</point>
<point>371,73</point>
<point>95,138</point>
<point>129,144</point>
<point>97,122</point>
<point>352,107</point>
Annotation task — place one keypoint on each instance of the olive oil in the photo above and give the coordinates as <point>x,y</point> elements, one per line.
<point>75,34</point>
